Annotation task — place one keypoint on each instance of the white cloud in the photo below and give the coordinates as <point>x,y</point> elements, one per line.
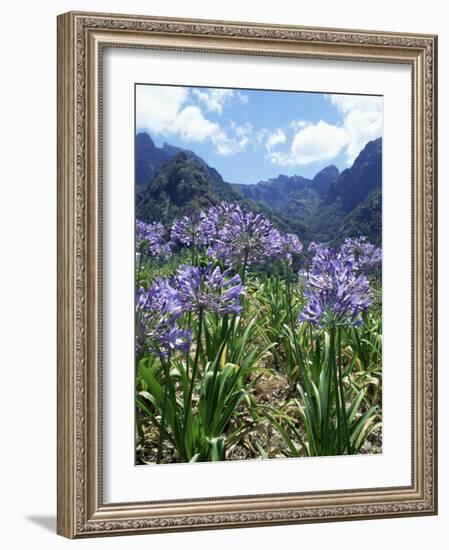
<point>163,110</point>
<point>191,125</point>
<point>214,99</point>
<point>275,138</point>
<point>174,111</point>
<point>230,145</point>
<point>362,120</point>
<point>244,130</point>
<point>243,97</point>
<point>298,124</point>
<point>260,136</point>
<point>158,106</point>
<point>312,143</point>
<point>167,111</point>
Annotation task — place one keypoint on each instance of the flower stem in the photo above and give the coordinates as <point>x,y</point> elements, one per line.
<point>342,395</point>
<point>337,403</point>
<point>139,267</point>
<point>194,370</point>
<point>164,407</point>
<point>330,360</point>
<point>193,251</point>
<point>245,261</point>
<point>242,278</point>
<point>189,328</point>
<point>289,295</point>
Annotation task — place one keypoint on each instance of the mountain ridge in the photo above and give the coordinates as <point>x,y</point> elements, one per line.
<point>171,181</point>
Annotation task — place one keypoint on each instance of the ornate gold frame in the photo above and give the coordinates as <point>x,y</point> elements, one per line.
<point>81,37</point>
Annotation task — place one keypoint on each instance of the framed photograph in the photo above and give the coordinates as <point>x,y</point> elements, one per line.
<point>247,273</point>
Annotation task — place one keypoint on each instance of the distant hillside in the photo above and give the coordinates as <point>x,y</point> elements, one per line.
<point>277,193</point>
<point>346,208</point>
<point>171,182</point>
<point>150,158</point>
<point>365,219</point>
<point>274,192</point>
<point>186,184</point>
<point>183,185</point>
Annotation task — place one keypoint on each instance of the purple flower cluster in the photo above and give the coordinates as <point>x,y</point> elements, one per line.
<point>158,309</point>
<point>192,289</point>
<point>241,237</point>
<point>188,231</point>
<point>364,252</point>
<point>234,236</point>
<point>336,292</point>
<point>207,289</point>
<point>289,245</point>
<point>335,288</point>
<point>150,239</point>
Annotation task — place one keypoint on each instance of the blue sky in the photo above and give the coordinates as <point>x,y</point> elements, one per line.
<point>251,135</point>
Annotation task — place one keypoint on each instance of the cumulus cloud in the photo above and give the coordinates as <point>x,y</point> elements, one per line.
<point>230,145</point>
<point>158,106</point>
<point>298,124</point>
<point>312,143</point>
<point>196,115</point>
<point>275,138</point>
<point>362,120</point>
<point>191,125</point>
<point>168,111</point>
<point>214,99</point>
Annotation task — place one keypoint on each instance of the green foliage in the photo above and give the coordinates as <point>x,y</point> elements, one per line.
<point>365,219</point>
<point>203,406</point>
<point>333,396</point>
<point>185,184</point>
<point>326,387</point>
<point>221,387</point>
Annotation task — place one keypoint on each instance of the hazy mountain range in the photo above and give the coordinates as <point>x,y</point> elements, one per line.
<point>171,182</point>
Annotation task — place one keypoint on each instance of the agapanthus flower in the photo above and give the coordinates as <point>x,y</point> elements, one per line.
<point>212,221</point>
<point>336,292</point>
<point>221,213</point>
<point>157,311</point>
<point>187,230</point>
<point>162,296</point>
<point>215,218</point>
<point>290,244</point>
<point>243,239</point>
<point>365,253</point>
<point>273,244</point>
<point>176,339</point>
<point>150,239</point>
<point>208,289</point>
<point>207,226</point>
